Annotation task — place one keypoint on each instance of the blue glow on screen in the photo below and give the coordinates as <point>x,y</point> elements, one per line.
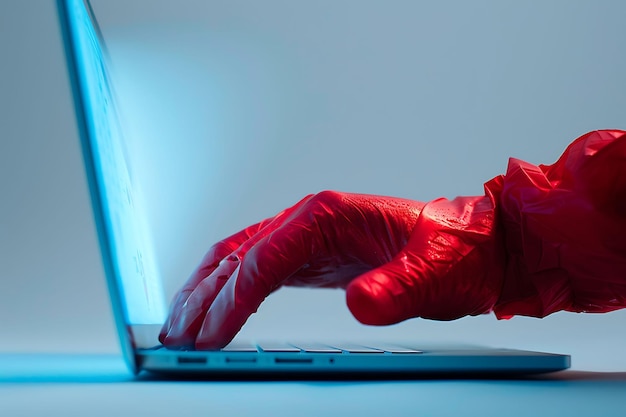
<point>131,249</point>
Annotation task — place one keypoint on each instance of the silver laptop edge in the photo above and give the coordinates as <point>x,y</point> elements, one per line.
<point>67,10</point>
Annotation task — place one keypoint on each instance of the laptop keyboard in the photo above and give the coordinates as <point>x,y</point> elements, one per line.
<point>312,347</point>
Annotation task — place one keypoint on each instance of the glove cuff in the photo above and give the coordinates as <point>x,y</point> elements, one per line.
<point>533,283</point>
<point>564,239</point>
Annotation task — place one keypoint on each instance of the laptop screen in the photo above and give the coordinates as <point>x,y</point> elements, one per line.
<point>129,242</point>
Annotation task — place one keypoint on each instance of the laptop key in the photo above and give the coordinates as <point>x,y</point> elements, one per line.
<point>240,346</point>
<point>355,348</point>
<point>317,348</point>
<point>274,346</point>
<point>393,348</point>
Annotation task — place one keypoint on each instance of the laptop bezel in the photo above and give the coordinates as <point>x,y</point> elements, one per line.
<point>84,133</point>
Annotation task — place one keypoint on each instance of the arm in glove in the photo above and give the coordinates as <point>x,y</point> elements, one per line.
<point>565,230</point>
<point>541,239</point>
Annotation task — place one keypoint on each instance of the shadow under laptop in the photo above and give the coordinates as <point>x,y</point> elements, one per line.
<point>566,376</point>
<point>20,368</point>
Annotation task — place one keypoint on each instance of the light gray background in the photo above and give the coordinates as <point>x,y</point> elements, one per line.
<point>240,108</point>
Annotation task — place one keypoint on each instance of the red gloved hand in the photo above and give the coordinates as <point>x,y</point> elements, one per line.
<point>396,258</point>
<point>542,239</point>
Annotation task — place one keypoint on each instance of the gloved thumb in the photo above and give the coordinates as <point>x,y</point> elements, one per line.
<point>447,270</point>
<point>386,295</point>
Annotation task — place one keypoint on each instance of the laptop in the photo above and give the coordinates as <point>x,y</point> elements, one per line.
<point>137,301</point>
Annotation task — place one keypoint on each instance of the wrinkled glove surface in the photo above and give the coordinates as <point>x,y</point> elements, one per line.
<point>565,228</point>
<point>541,239</point>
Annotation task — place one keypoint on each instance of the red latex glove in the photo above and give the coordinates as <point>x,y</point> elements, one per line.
<point>565,227</point>
<point>542,239</point>
<point>383,250</point>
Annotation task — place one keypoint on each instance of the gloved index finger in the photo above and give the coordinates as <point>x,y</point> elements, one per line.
<point>221,250</point>
<point>209,263</point>
<point>225,247</point>
<point>181,322</point>
<point>265,267</point>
